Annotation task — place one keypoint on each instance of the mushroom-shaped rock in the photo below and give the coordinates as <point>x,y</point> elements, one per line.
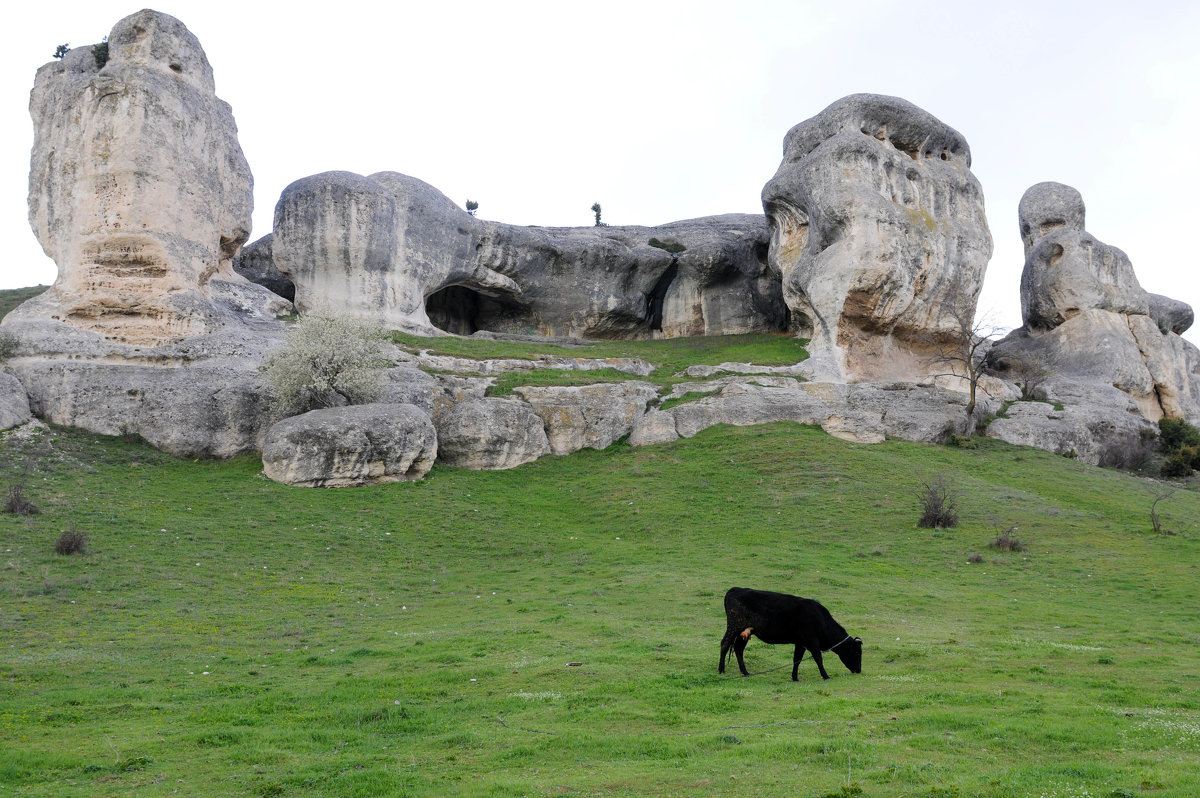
<point>879,233</point>
<point>490,434</point>
<point>354,445</point>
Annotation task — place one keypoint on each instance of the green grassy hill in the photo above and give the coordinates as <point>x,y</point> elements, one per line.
<point>554,630</point>
<point>225,635</point>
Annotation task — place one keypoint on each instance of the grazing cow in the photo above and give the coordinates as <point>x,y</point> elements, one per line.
<point>780,618</point>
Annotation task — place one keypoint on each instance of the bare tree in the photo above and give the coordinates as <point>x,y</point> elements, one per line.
<point>961,349</point>
<point>1029,371</point>
<point>1161,493</point>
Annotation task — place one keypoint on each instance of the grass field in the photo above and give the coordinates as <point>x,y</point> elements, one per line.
<point>228,636</point>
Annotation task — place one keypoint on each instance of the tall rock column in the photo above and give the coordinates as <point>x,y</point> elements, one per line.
<point>879,234</point>
<point>1089,324</point>
<point>140,193</point>
<point>138,188</point>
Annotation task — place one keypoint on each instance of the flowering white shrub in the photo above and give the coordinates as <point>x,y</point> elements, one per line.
<point>326,361</point>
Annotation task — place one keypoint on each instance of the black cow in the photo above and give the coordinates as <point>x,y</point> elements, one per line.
<point>780,618</point>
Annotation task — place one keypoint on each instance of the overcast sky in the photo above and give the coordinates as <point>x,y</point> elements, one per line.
<point>671,110</point>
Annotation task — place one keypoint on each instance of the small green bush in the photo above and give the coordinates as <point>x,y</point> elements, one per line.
<point>100,53</point>
<point>674,247</point>
<point>1175,433</point>
<point>326,362</point>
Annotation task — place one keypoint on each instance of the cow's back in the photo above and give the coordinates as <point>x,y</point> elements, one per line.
<point>775,617</point>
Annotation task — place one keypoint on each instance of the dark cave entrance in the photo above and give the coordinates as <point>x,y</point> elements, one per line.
<point>658,295</point>
<point>464,311</point>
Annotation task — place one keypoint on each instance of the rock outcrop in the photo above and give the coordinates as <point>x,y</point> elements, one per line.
<point>395,250</point>
<point>879,234</point>
<point>138,188</point>
<point>1109,352</point>
<point>490,434</point>
<point>14,402</point>
<point>254,263</point>
<point>589,416</point>
<point>873,244</point>
<point>347,446</point>
<point>139,191</point>
<point>859,412</point>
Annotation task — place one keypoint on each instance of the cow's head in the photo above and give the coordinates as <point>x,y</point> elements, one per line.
<point>850,653</point>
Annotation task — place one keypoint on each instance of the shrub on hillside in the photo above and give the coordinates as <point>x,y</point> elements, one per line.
<point>16,503</point>
<point>1175,433</point>
<point>1127,452</point>
<point>1180,442</point>
<point>939,506</point>
<point>326,362</point>
<point>71,541</point>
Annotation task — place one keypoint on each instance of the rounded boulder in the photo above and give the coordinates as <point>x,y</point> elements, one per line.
<point>348,446</point>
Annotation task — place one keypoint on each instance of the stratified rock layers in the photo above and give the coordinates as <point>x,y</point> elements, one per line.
<point>879,234</point>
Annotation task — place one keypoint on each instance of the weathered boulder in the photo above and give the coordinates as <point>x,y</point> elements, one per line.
<point>215,409</point>
<point>879,234</point>
<point>589,416</point>
<point>138,188</point>
<point>394,249</point>
<point>1067,271</point>
<point>490,434</point>
<point>14,402</point>
<point>1087,321</point>
<point>1171,315</point>
<point>255,263</point>
<point>354,445</point>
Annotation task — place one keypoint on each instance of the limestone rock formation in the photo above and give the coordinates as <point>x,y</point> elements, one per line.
<point>589,416</point>
<point>1067,271</point>
<point>394,249</point>
<point>254,263</point>
<point>14,402</point>
<point>138,189</point>
<point>859,412</point>
<point>879,234</point>
<point>1088,322</point>
<point>490,434</point>
<point>355,445</point>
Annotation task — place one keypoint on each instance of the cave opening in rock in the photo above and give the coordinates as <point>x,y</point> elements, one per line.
<point>658,295</point>
<point>461,310</point>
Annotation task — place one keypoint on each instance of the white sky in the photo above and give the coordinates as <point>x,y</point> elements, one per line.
<point>672,110</point>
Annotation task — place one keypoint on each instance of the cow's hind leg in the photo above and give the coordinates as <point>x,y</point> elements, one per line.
<point>799,655</point>
<point>726,644</point>
<point>739,645</point>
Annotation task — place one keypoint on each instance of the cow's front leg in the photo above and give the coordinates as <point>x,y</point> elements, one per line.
<point>799,655</point>
<point>816,652</point>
